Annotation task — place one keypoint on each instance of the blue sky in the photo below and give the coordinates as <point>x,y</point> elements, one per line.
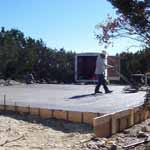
<point>60,23</point>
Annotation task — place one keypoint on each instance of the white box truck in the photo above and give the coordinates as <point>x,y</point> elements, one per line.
<point>85,67</point>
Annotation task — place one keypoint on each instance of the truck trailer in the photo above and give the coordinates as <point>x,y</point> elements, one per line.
<point>85,67</point>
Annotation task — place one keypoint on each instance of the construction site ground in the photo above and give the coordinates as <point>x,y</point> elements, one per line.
<point>70,97</point>
<point>26,132</point>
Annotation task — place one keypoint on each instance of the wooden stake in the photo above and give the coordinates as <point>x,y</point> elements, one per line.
<point>4,102</point>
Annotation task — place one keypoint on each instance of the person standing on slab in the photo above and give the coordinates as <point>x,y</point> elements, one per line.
<point>100,73</point>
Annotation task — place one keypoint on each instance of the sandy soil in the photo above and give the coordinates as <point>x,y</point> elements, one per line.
<point>23,132</point>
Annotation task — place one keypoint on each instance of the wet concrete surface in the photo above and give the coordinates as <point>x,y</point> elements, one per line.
<point>70,97</point>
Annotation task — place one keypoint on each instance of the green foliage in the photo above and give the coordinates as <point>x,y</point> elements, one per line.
<point>20,55</point>
<point>135,12</point>
<point>132,63</point>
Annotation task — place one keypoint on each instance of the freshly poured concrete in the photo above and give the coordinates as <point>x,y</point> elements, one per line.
<point>70,97</point>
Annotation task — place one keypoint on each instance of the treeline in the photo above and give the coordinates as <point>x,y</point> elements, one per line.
<point>20,55</point>
<point>133,63</point>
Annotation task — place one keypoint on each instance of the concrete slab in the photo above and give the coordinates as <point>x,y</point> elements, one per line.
<point>70,97</point>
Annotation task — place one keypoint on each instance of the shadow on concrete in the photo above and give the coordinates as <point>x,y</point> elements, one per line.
<point>59,125</point>
<point>84,95</point>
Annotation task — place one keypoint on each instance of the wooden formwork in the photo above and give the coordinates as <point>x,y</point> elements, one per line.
<point>60,114</point>
<point>45,113</point>
<point>88,117</point>
<point>1,107</point>
<point>104,124</point>
<point>9,108</point>
<point>35,111</point>
<point>74,116</point>
<point>109,124</point>
<point>120,121</point>
<point>22,110</point>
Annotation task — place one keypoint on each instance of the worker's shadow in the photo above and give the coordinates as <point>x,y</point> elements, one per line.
<point>83,96</point>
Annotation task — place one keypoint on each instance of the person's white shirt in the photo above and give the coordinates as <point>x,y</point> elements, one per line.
<point>101,65</point>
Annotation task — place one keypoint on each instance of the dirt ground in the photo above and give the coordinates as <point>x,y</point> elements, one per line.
<point>25,132</point>
<point>120,141</point>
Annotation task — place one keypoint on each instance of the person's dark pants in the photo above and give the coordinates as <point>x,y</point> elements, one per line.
<point>101,81</point>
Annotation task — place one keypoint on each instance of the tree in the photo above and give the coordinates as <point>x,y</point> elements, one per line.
<point>20,55</point>
<point>11,42</point>
<point>133,21</point>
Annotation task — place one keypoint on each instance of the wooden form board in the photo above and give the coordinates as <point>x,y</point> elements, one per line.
<point>109,124</point>
<point>74,116</point>
<point>104,124</point>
